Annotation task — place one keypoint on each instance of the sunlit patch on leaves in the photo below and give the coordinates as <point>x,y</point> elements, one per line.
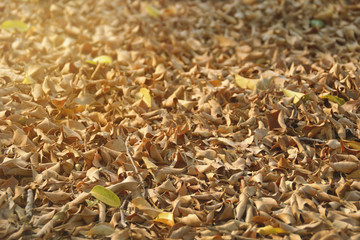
<point>14,25</point>
<point>103,59</point>
<point>106,196</point>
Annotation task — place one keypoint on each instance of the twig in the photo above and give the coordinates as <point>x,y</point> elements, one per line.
<point>135,168</point>
<point>95,71</point>
<point>29,203</point>
<point>102,215</point>
<point>122,222</point>
<point>312,140</point>
<point>79,199</point>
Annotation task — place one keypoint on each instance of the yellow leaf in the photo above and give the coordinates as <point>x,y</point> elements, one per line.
<point>297,96</point>
<point>166,218</point>
<point>152,11</point>
<point>103,59</point>
<point>267,230</point>
<point>244,82</point>
<point>146,95</point>
<point>28,80</point>
<point>106,196</point>
<point>14,24</point>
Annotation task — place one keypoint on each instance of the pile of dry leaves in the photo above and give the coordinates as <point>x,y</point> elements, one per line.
<point>230,119</point>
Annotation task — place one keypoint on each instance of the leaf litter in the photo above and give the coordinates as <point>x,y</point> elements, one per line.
<point>190,119</point>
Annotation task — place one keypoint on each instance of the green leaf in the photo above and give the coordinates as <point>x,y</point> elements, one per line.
<point>334,99</point>
<point>103,59</point>
<point>106,196</point>
<point>14,24</point>
<point>297,96</point>
<point>316,23</point>
<point>152,11</point>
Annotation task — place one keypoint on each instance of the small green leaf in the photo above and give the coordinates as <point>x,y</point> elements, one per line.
<point>103,59</point>
<point>14,24</point>
<point>91,203</point>
<point>152,11</point>
<point>297,96</point>
<point>316,23</point>
<point>105,195</point>
<point>334,99</point>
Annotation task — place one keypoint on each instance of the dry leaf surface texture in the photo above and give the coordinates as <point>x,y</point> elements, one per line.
<point>206,119</point>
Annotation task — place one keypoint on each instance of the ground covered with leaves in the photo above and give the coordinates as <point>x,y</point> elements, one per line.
<point>179,119</point>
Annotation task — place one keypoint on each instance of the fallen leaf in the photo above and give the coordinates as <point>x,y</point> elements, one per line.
<point>152,11</point>
<point>244,82</point>
<point>103,59</point>
<point>334,99</point>
<point>106,196</point>
<point>296,95</point>
<point>146,96</point>
<point>14,25</point>
<point>166,218</point>
<point>268,230</point>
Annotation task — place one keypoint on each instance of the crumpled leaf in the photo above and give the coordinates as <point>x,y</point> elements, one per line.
<point>106,196</point>
<point>145,207</point>
<point>166,218</point>
<point>101,229</point>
